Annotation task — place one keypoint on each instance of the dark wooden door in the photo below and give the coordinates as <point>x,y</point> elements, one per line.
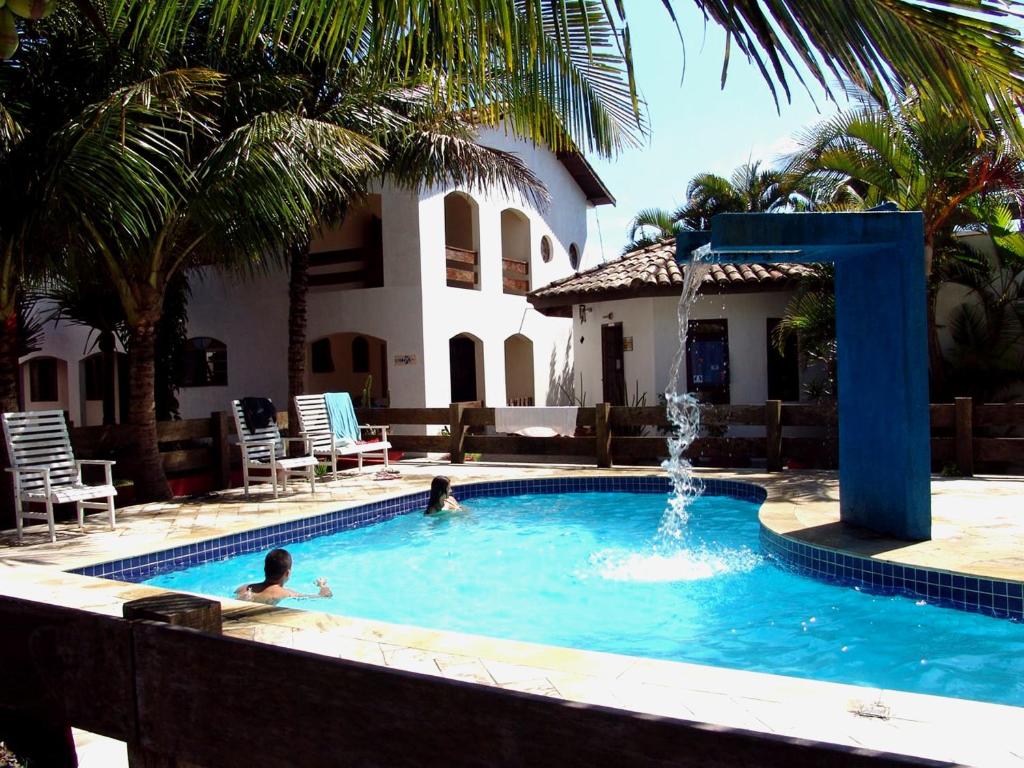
<point>462,359</point>
<point>613,369</point>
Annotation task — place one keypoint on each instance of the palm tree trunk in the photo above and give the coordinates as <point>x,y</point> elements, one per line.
<point>146,466</point>
<point>108,359</point>
<point>936,363</point>
<point>9,358</point>
<point>8,402</point>
<point>298,287</point>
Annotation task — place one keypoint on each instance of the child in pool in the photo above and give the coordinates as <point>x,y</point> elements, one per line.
<point>441,499</point>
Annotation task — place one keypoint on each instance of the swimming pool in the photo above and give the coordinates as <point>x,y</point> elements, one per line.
<point>585,570</point>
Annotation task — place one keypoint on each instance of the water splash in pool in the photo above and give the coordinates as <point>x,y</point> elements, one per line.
<point>672,565</point>
<point>683,411</point>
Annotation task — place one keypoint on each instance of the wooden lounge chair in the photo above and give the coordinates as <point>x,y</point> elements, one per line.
<point>265,450</point>
<point>45,469</point>
<point>315,424</point>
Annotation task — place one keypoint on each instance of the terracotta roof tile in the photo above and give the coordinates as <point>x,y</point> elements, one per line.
<point>654,267</point>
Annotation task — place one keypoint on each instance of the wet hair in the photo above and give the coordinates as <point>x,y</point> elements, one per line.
<point>277,564</point>
<point>440,487</point>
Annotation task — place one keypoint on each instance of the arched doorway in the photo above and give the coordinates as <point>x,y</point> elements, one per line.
<point>466,363</point>
<point>349,362</point>
<point>519,370</point>
<point>461,241</point>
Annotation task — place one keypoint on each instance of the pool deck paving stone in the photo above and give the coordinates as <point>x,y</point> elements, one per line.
<point>978,528</point>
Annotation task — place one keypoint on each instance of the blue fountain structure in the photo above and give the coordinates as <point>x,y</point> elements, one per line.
<point>881,337</point>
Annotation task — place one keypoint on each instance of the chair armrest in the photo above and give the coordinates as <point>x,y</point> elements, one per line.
<point>105,463</point>
<point>307,442</point>
<point>45,471</point>
<point>19,471</point>
<point>247,445</point>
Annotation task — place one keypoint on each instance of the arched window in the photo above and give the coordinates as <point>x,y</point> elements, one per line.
<point>205,363</point>
<point>360,355</point>
<point>545,249</point>
<point>323,360</point>
<point>574,257</point>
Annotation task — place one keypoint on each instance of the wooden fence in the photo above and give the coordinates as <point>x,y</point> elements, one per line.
<point>965,437</point>
<point>182,696</point>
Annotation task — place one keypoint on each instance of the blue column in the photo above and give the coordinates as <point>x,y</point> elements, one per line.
<point>881,336</point>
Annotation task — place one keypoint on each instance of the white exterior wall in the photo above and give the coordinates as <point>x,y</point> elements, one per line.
<point>487,313</point>
<point>70,344</point>
<point>652,324</point>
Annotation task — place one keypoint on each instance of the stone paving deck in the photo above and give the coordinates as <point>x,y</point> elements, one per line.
<point>980,526</point>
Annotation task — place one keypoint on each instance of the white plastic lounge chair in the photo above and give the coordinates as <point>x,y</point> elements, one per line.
<point>265,450</point>
<point>45,469</point>
<point>315,424</point>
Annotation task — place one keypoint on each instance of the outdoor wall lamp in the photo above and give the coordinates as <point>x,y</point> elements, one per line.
<point>583,312</point>
<point>609,316</point>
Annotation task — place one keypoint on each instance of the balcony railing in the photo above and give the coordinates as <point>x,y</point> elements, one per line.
<point>463,268</point>
<point>347,269</point>
<point>515,276</point>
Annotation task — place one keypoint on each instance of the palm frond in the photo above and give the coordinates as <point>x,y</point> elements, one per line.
<point>263,186</point>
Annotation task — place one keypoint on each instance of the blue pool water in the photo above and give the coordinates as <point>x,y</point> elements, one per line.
<point>586,570</point>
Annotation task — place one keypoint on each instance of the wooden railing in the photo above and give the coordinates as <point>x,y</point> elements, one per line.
<point>515,276</point>
<point>348,268</point>
<point>180,695</point>
<point>462,267</point>
<point>965,437</point>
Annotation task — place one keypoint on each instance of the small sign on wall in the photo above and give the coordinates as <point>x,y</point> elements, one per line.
<point>627,343</point>
<point>405,359</point>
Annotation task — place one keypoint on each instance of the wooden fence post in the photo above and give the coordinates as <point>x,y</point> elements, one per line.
<point>602,414</point>
<point>221,449</point>
<point>773,434</point>
<point>182,611</point>
<point>458,433</point>
<point>964,435</point>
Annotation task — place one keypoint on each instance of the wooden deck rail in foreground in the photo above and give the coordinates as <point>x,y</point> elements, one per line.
<point>182,697</point>
<point>964,436</point>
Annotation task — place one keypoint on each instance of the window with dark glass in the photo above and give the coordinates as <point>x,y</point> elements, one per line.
<point>360,355</point>
<point>323,361</point>
<point>707,360</point>
<point>42,379</point>
<point>94,378</point>
<point>545,249</point>
<point>574,257</point>
<point>783,367</point>
<point>205,363</point>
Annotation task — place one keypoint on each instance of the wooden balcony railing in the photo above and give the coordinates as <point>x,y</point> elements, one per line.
<point>463,268</point>
<point>347,268</point>
<point>515,276</point>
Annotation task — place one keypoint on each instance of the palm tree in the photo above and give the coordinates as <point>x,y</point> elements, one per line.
<point>921,157</point>
<point>959,52</point>
<point>650,226</point>
<point>750,189</point>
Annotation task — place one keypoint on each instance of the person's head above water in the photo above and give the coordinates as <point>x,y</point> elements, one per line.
<point>277,565</point>
<point>440,488</point>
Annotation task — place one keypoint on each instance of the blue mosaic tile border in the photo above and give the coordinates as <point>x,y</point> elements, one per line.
<point>1003,599</point>
<point>136,569</point>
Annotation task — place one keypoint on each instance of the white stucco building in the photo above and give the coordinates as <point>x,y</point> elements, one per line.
<point>419,296</point>
<point>626,331</point>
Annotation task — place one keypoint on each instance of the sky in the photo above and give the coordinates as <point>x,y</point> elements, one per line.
<point>695,126</point>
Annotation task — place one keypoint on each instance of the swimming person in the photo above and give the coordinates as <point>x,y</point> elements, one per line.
<point>277,567</point>
<point>441,499</point>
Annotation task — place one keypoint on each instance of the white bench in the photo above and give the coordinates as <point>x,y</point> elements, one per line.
<point>315,425</point>
<point>45,469</point>
<point>265,450</point>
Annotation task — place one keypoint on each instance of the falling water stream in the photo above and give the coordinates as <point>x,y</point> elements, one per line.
<point>683,411</point>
